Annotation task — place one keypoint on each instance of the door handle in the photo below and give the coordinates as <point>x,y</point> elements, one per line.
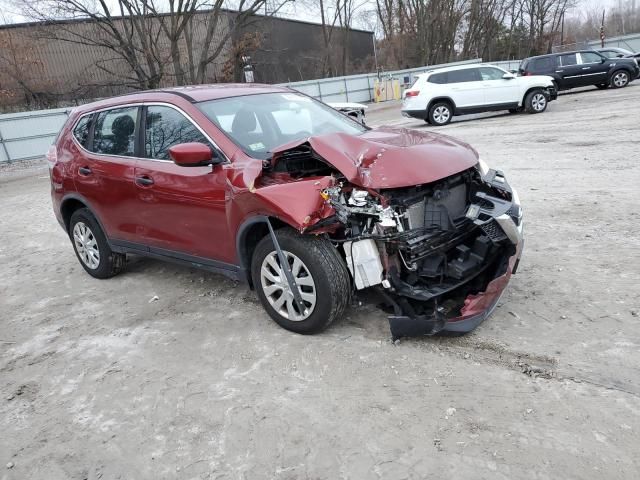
<point>144,181</point>
<point>586,68</point>
<point>84,171</point>
<point>559,71</point>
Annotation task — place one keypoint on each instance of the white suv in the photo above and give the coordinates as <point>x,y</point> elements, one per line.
<point>438,95</point>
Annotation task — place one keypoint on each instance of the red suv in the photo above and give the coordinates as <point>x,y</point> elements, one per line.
<point>269,186</point>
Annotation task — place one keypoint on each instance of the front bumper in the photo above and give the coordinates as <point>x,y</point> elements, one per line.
<point>477,306</point>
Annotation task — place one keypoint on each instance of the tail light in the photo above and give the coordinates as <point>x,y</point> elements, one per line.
<point>412,93</point>
<point>526,74</point>
<point>52,155</point>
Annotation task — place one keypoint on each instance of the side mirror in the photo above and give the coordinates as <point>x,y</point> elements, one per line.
<point>193,154</point>
<point>508,76</point>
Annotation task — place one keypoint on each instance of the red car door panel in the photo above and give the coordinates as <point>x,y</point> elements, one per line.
<point>183,209</point>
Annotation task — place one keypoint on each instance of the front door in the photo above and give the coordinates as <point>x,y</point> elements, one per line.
<point>103,171</point>
<point>594,68</point>
<point>498,90</point>
<point>182,210</point>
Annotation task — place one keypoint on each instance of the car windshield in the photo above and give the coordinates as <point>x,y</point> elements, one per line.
<point>259,123</point>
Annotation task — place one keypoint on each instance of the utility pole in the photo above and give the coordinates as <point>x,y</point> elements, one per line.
<point>602,35</point>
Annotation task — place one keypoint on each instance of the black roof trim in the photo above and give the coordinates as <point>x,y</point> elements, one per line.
<point>188,98</point>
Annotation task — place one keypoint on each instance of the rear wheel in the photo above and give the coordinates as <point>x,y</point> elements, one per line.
<point>319,273</point>
<point>620,79</point>
<point>91,246</point>
<point>535,102</point>
<point>440,113</point>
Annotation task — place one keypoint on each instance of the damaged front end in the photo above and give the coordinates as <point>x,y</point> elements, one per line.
<point>440,254</point>
<point>416,215</point>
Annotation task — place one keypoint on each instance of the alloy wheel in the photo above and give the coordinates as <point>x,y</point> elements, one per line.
<point>620,79</point>
<point>538,102</point>
<point>86,245</point>
<point>441,114</point>
<point>277,291</point>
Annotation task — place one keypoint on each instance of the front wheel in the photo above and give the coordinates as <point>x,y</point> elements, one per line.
<point>440,113</point>
<point>620,79</point>
<point>319,273</point>
<point>535,102</point>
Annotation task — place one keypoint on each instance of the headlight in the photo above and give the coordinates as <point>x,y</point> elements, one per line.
<point>483,167</point>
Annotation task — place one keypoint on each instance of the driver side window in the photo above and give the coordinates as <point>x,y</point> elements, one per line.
<point>489,73</point>
<point>166,127</point>
<point>590,57</point>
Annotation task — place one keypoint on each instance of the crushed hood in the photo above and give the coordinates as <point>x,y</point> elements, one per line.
<point>389,157</point>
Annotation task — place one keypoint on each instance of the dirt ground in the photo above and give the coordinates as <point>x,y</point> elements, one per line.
<point>99,381</point>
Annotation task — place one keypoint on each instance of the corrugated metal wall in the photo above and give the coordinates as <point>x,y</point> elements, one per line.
<point>28,135</point>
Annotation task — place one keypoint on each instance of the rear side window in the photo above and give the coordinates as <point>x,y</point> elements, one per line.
<point>166,127</point>
<point>114,132</point>
<point>462,76</point>
<point>568,60</point>
<point>438,78</point>
<point>543,64</point>
<point>81,130</point>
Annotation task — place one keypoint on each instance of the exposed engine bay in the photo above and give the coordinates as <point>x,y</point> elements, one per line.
<point>428,247</point>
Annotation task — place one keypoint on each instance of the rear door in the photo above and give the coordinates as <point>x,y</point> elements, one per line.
<point>181,209</point>
<point>594,68</point>
<point>465,87</point>
<point>103,172</point>
<point>570,70</point>
<point>498,90</point>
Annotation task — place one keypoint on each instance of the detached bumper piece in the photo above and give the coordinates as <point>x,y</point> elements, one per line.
<point>552,93</point>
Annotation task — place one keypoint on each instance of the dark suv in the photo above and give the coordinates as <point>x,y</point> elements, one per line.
<point>269,186</point>
<point>581,69</point>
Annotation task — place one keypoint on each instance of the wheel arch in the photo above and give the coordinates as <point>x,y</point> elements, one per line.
<point>250,232</point>
<point>441,98</point>
<point>529,90</point>
<point>620,68</point>
<point>72,202</point>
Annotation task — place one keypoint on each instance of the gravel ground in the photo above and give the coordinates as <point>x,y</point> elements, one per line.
<point>98,380</point>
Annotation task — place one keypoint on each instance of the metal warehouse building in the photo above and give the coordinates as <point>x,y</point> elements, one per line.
<point>38,70</point>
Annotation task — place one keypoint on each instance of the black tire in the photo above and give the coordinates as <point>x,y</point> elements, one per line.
<point>620,79</point>
<point>535,101</point>
<point>602,86</point>
<point>325,266</point>
<point>440,113</point>
<point>110,263</point>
